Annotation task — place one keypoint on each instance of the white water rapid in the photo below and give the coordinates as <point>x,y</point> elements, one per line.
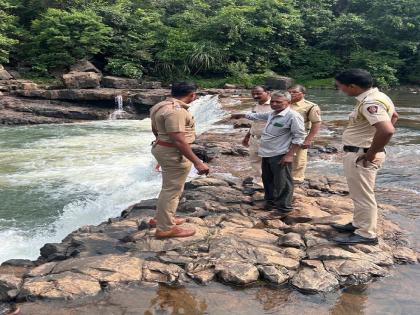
<point>57,178</point>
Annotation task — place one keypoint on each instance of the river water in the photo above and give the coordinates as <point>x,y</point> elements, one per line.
<point>56,178</point>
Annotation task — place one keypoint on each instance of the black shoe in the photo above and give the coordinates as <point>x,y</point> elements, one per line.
<point>354,239</point>
<point>349,227</point>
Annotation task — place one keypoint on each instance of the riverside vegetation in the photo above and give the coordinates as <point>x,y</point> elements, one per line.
<point>214,41</point>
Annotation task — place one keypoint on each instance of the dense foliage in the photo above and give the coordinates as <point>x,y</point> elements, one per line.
<point>309,39</point>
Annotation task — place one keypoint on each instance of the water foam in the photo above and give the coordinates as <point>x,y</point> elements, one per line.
<point>107,164</point>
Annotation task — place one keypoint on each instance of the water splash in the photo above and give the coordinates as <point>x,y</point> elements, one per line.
<point>56,178</point>
<point>206,110</point>
<point>119,112</point>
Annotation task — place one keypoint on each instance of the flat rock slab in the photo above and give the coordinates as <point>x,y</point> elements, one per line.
<point>67,285</point>
<point>234,243</point>
<point>108,268</point>
<point>146,242</point>
<point>154,271</point>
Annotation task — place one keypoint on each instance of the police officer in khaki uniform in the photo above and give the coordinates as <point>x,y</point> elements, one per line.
<point>312,116</point>
<point>252,139</point>
<point>174,129</point>
<point>370,128</point>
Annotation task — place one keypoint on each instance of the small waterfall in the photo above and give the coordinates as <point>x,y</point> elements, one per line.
<point>207,110</point>
<point>119,112</point>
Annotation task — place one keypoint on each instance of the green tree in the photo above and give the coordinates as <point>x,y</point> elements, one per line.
<point>135,34</point>
<point>7,31</point>
<point>60,38</point>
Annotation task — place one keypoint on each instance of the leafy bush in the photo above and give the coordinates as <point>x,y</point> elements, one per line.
<point>7,31</point>
<point>60,38</point>
<point>382,65</point>
<point>124,68</point>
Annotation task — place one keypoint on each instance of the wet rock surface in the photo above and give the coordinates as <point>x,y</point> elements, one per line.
<point>21,111</point>
<point>234,244</point>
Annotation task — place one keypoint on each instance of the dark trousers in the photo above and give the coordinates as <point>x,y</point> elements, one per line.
<point>278,183</point>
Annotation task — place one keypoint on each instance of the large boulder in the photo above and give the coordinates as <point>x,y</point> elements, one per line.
<point>120,83</point>
<point>27,85</point>
<point>4,75</point>
<point>150,85</point>
<point>82,80</point>
<point>9,286</point>
<point>142,99</point>
<point>279,82</point>
<point>84,66</point>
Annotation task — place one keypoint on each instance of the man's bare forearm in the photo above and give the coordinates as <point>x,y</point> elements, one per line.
<point>384,133</point>
<point>184,147</point>
<point>394,118</point>
<point>313,132</point>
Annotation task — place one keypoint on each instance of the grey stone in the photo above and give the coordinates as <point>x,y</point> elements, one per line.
<point>150,85</point>
<point>279,82</point>
<point>18,263</point>
<point>66,285</point>
<point>82,80</point>
<point>203,272</point>
<point>315,280</point>
<point>291,240</point>
<point>50,249</point>
<point>9,285</point>
<point>359,271</point>
<point>119,83</point>
<point>4,75</point>
<point>404,255</point>
<point>154,271</point>
<point>326,252</point>
<point>84,66</point>
<point>237,272</point>
<point>274,275</point>
<point>205,181</point>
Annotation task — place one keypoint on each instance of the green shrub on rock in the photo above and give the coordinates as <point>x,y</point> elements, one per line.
<point>60,38</point>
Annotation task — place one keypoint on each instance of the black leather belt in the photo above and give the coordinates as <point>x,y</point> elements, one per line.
<point>350,148</point>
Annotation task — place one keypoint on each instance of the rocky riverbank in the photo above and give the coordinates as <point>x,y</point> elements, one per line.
<point>235,244</point>
<point>84,94</point>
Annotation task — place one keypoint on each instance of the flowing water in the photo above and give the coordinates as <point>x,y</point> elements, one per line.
<point>55,178</point>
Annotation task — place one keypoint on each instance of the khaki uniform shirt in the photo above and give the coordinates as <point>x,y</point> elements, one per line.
<point>172,115</point>
<point>372,107</point>
<point>257,126</point>
<point>310,111</point>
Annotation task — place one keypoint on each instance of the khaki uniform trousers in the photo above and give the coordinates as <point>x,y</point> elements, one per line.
<point>254,158</point>
<point>175,168</point>
<point>361,182</point>
<point>299,165</point>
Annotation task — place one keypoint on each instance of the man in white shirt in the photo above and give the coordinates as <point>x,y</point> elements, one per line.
<point>282,136</point>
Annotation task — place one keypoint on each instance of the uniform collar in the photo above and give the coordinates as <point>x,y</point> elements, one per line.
<point>300,103</point>
<point>362,96</point>
<point>178,102</point>
<point>283,112</point>
<point>266,103</point>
